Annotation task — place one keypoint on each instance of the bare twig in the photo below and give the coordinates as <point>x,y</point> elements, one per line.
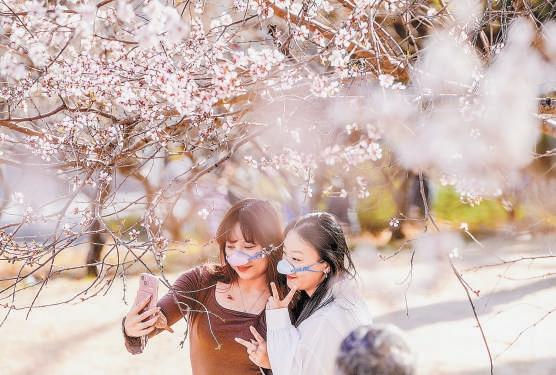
<point>466,289</point>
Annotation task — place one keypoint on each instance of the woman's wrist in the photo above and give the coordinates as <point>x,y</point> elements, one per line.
<point>135,345</point>
<point>123,328</point>
<point>125,332</point>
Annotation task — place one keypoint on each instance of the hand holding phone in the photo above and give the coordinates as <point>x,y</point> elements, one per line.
<point>148,287</point>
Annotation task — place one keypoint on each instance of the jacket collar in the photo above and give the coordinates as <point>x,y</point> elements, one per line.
<point>343,290</point>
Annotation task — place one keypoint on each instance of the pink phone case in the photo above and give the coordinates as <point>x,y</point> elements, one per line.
<point>148,286</point>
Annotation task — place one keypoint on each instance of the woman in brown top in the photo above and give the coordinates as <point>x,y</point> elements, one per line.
<point>220,301</point>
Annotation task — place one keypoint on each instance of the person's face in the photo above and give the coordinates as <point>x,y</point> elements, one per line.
<point>236,243</point>
<point>299,253</point>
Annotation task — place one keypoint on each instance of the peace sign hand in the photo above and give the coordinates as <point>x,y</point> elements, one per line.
<point>274,300</point>
<point>256,349</point>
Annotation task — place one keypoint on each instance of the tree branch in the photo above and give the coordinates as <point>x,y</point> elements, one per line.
<point>465,287</point>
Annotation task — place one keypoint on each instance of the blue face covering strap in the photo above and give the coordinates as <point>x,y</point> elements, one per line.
<point>286,268</point>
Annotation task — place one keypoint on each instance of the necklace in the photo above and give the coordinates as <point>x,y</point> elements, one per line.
<point>253,304</point>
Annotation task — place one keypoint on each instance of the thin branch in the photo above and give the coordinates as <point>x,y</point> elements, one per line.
<point>512,261</point>
<point>521,333</point>
<point>465,288</point>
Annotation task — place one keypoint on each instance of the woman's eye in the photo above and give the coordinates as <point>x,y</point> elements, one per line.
<point>296,260</point>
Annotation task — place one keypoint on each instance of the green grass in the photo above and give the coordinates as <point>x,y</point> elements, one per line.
<point>488,215</point>
<point>375,211</point>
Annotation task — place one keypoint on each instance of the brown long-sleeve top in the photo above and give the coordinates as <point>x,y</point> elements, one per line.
<point>212,328</point>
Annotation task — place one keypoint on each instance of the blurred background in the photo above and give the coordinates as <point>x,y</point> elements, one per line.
<point>127,128</point>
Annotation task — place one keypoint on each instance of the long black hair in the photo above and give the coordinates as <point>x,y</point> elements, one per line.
<point>322,231</point>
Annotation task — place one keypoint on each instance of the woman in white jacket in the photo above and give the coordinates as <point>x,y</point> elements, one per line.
<point>325,306</point>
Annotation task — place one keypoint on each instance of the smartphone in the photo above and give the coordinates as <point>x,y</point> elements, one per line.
<point>148,286</point>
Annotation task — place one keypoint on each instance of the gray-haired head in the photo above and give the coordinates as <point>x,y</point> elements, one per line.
<point>375,350</point>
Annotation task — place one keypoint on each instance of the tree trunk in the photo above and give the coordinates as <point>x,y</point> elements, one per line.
<point>97,243</point>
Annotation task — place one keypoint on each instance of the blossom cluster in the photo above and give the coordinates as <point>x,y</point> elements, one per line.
<point>114,96</point>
